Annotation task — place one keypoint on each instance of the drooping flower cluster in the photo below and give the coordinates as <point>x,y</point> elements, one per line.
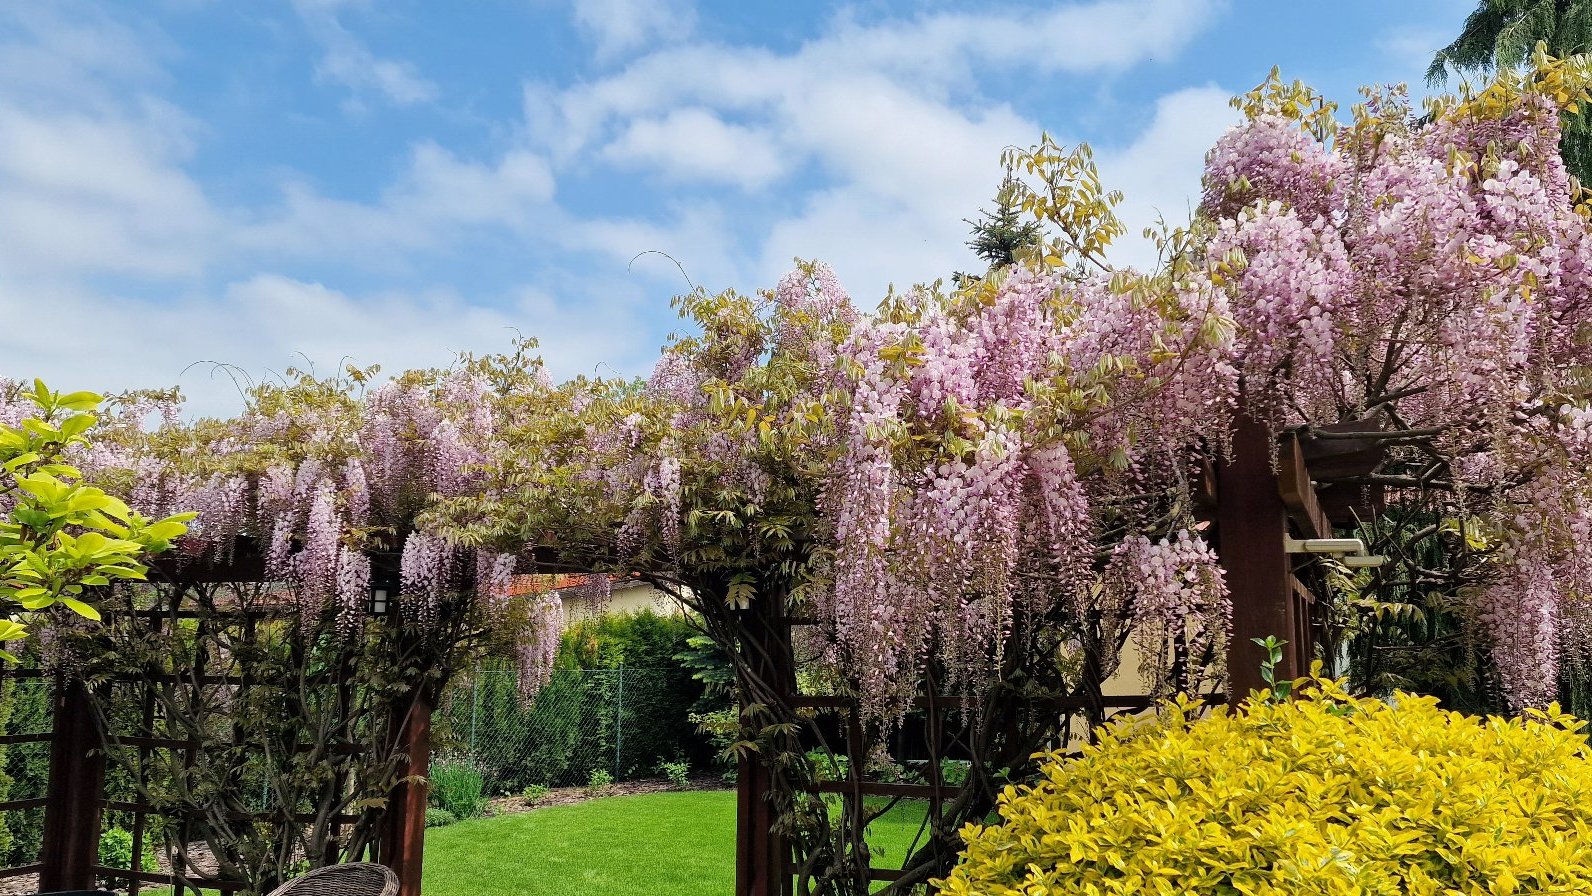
<point>1272,158</point>
<point>323,478</point>
<point>985,436</point>
<point>1180,603</point>
<point>536,651</point>
<point>1433,284</point>
<point>1294,278</point>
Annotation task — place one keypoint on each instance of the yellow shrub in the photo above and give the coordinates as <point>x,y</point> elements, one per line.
<point>1325,795</point>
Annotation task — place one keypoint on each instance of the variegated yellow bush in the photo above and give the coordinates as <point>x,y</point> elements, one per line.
<point>1327,795</point>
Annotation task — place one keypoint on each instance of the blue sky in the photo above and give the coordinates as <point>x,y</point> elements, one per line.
<point>259,183</point>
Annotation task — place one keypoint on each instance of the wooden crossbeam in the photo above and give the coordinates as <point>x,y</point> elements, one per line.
<point>1298,492</point>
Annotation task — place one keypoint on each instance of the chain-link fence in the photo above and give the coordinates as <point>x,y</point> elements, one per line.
<point>584,725</point>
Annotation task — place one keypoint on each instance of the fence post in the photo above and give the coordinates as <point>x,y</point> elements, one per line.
<point>619,720</point>
<point>77,776</point>
<point>475,705</point>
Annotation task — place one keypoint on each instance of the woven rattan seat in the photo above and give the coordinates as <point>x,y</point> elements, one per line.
<point>354,879</point>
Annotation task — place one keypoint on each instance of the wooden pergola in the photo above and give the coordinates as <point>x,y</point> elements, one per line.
<point>76,797</point>
<point>1268,492</point>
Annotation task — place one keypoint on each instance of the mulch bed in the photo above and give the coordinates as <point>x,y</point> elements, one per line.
<point>568,796</point>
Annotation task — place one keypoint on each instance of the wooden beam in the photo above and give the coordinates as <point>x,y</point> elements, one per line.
<point>1298,492</point>
<point>1342,458</point>
<point>20,870</point>
<point>1300,592</point>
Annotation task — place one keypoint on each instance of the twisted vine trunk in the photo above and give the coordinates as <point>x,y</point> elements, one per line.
<point>794,842</point>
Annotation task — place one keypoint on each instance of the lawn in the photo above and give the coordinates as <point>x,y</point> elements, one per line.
<point>660,844</point>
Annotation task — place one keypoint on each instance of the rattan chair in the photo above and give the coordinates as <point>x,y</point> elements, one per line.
<point>353,879</point>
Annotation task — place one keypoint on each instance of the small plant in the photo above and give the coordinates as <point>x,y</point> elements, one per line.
<point>116,851</point>
<point>534,793</point>
<point>458,787</point>
<point>829,766</point>
<point>678,773</point>
<point>954,772</point>
<point>601,779</point>
<point>439,818</point>
<point>1268,667</point>
<point>116,848</point>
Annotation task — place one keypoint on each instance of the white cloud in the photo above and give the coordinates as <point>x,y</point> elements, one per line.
<point>433,204</point>
<point>91,164</point>
<point>908,170</point>
<point>1104,35</point>
<point>873,110</point>
<point>898,217</point>
<point>930,55</point>
<point>74,52</point>
<point>98,194</point>
<point>693,144</point>
<point>619,26</point>
<point>345,59</point>
<point>268,322</point>
<point>1159,172</point>
<point>699,237</point>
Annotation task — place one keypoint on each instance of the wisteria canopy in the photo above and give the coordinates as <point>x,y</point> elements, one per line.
<point>967,470</point>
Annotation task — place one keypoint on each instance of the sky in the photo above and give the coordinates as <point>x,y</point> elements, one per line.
<point>196,189</point>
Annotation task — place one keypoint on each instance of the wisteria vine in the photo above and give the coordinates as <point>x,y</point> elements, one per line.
<point>324,476</point>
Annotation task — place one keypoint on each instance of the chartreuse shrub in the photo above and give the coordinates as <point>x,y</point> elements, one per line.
<point>1328,795</point>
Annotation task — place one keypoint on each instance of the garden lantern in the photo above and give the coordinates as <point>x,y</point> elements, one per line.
<point>384,582</point>
<point>378,600</point>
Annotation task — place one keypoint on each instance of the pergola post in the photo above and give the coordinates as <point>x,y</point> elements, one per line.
<point>762,857</point>
<point>1251,523</point>
<point>404,837</point>
<point>77,776</point>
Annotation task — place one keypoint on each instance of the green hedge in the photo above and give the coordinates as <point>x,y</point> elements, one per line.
<point>619,701</point>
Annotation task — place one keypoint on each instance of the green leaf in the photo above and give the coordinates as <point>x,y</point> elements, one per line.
<point>79,401</point>
<point>92,499</point>
<point>22,460</point>
<point>76,425</point>
<point>82,609</point>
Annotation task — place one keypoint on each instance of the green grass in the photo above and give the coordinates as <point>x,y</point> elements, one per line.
<point>659,844</point>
